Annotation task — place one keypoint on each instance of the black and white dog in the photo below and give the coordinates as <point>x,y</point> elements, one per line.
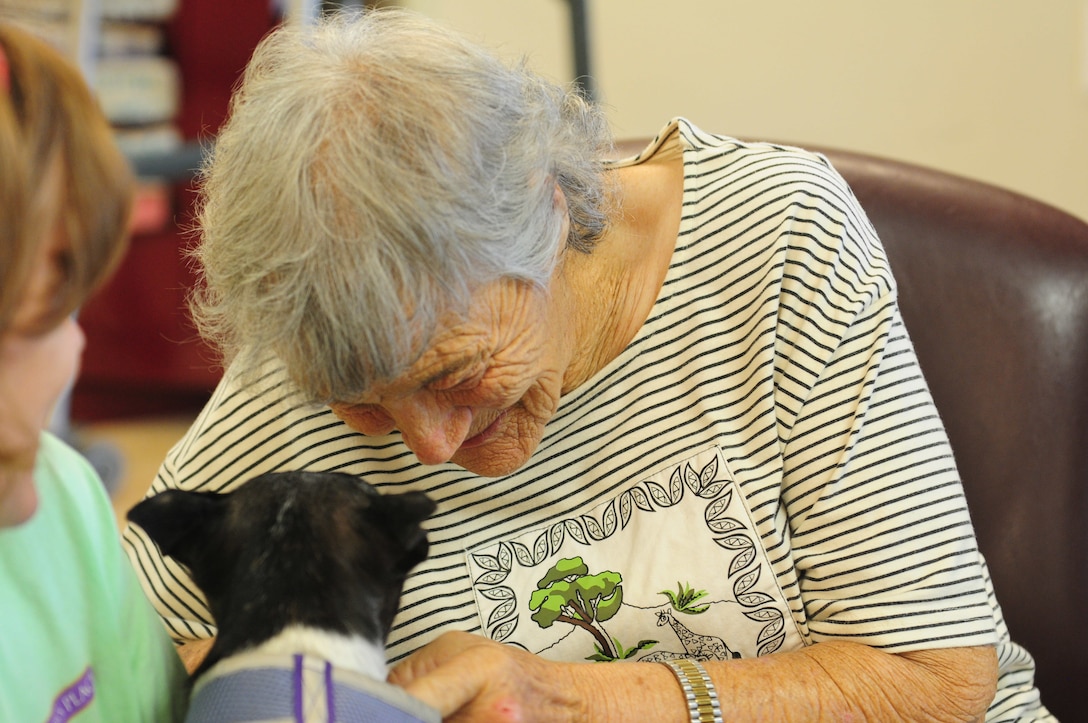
<point>303,573</point>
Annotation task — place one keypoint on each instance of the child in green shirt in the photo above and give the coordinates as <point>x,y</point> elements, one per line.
<point>78,640</point>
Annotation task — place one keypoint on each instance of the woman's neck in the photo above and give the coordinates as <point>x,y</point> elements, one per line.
<point>611,291</point>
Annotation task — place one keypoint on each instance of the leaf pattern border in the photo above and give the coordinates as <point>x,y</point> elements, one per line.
<point>729,533</point>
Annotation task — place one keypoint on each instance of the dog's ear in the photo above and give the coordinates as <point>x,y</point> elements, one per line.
<point>178,521</point>
<point>402,514</point>
<point>408,508</point>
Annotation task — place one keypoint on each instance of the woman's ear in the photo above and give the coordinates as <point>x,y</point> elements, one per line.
<point>559,203</point>
<point>559,199</point>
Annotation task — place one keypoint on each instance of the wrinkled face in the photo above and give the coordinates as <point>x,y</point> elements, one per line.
<point>484,389</point>
<point>36,365</point>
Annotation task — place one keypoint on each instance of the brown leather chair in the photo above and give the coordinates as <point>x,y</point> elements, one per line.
<point>993,287</point>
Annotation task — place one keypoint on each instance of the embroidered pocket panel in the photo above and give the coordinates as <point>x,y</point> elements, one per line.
<point>669,568</point>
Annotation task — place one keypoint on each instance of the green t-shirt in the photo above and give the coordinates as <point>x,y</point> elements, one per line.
<point>79,641</point>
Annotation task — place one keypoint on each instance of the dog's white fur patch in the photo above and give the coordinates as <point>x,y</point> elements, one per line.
<point>344,652</point>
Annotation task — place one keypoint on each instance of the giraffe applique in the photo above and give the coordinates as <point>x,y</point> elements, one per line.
<point>696,646</point>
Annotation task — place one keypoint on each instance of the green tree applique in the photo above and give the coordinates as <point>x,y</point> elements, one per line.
<point>568,593</point>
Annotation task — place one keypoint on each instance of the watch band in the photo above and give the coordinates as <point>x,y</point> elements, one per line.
<point>699,690</point>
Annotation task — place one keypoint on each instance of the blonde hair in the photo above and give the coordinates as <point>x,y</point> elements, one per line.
<point>47,114</point>
<point>375,170</point>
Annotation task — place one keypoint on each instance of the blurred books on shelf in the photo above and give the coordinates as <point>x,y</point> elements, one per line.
<point>123,37</point>
<point>55,21</point>
<point>137,90</point>
<point>137,82</point>
<point>121,47</point>
<point>139,87</point>
<point>150,10</point>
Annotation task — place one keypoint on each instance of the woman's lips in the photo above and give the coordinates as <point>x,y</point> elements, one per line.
<point>484,436</point>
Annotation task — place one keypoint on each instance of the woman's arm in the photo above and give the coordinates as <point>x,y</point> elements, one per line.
<point>468,677</point>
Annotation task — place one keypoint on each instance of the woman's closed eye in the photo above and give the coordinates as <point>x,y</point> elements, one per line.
<point>459,383</point>
<point>370,419</point>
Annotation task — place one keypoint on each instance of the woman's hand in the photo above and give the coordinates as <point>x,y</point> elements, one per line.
<point>467,677</point>
<point>470,678</point>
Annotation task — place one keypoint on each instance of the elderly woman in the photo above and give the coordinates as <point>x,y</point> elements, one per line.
<point>666,405</point>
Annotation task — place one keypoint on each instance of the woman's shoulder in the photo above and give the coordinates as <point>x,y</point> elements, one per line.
<point>720,163</point>
<point>754,156</point>
<point>635,150</point>
<point>785,200</point>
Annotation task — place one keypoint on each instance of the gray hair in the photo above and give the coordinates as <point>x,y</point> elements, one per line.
<point>375,171</point>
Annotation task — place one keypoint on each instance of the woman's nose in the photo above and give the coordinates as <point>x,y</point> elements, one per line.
<point>432,429</point>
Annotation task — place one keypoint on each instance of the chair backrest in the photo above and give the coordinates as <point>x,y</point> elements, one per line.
<point>993,288</point>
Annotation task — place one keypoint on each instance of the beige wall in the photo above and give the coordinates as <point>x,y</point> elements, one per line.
<point>991,89</point>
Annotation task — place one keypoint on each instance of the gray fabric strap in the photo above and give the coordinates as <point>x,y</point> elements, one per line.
<point>302,689</point>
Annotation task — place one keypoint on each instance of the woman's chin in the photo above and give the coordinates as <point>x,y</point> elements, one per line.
<point>502,448</point>
<point>504,453</point>
<point>491,460</point>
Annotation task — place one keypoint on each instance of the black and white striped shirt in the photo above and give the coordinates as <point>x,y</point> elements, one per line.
<point>762,468</point>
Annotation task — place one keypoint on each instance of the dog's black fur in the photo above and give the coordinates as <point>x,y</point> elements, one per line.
<point>317,549</point>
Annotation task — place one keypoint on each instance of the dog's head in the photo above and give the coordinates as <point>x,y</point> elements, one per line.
<point>318,549</point>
